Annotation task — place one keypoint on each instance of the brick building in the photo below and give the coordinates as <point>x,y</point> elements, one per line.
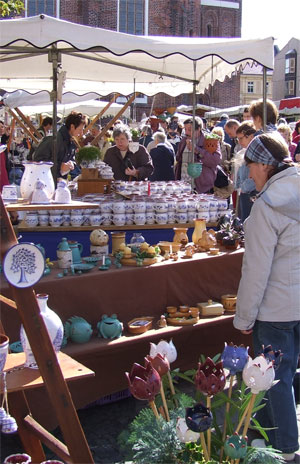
<point>188,18</point>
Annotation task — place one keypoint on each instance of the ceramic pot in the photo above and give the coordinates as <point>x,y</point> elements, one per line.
<point>54,327</point>
<point>64,254</point>
<point>129,219</point>
<point>76,249</point>
<point>161,218</point>
<point>31,219</point>
<point>211,145</point>
<point>55,220</point>
<point>139,219</point>
<point>119,219</point>
<point>43,220</point>
<point>20,458</point>
<point>36,171</point>
<point>199,228</point>
<point>180,235</point>
<point>117,238</point>
<point>4,342</point>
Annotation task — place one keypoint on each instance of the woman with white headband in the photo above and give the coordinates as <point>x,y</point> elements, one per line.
<point>268,302</point>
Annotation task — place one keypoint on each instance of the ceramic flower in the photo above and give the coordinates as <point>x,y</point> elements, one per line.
<point>165,349</point>
<point>144,382</point>
<point>198,418</point>
<point>236,446</point>
<point>271,355</point>
<point>234,357</point>
<point>160,364</point>
<point>184,434</point>
<point>259,374</point>
<point>210,378</point>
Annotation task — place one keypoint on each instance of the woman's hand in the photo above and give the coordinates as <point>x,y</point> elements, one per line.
<point>246,332</point>
<point>65,168</point>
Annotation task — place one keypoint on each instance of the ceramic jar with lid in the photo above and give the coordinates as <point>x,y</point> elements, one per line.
<point>139,205</point>
<point>64,254</point>
<point>118,207</point>
<point>119,219</point>
<point>106,206</point>
<point>191,203</point>
<point>203,205</point>
<point>181,206</point>
<point>161,206</point>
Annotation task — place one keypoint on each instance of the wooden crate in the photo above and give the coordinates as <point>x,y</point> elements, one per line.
<point>93,186</point>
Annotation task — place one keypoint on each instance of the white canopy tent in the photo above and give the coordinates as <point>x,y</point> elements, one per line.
<point>104,61</point>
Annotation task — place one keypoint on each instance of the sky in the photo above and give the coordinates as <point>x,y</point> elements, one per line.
<point>277,18</point>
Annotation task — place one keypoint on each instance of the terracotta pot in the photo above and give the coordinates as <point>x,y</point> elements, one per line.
<point>211,145</point>
<point>181,235</point>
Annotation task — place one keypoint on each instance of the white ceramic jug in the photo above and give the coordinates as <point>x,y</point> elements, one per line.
<point>35,171</point>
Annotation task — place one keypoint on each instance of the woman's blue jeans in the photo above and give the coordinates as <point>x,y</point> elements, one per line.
<point>280,408</point>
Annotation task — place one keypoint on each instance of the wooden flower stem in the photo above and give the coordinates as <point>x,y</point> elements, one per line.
<point>154,409</point>
<point>248,418</point>
<point>208,405</point>
<point>172,388</point>
<point>226,412</point>
<point>242,419</point>
<point>203,444</point>
<point>163,397</point>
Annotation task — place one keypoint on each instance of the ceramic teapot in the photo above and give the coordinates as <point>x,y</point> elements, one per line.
<point>76,249</point>
<point>110,327</point>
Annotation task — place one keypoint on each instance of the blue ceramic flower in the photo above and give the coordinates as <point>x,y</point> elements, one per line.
<point>271,355</point>
<point>198,418</point>
<point>234,357</point>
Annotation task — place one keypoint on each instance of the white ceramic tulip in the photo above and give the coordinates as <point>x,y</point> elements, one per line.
<point>258,374</point>
<point>165,349</point>
<point>184,434</point>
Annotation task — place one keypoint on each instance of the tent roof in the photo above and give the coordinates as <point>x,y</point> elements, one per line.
<point>114,61</point>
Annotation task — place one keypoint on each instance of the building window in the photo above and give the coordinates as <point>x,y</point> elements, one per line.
<point>209,30</point>
<point>290,88</point>
<point>289,65</point>
<point>36,7</point>
<point>268,87</point>
<point>132,16</point>
<point>250,87</point>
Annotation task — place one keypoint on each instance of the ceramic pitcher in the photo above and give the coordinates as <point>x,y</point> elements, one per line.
<point>37,171</point>
<point>76,248</point>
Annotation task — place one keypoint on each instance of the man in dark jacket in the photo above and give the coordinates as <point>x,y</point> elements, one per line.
<point>128,162</point>
<point>163,159</point>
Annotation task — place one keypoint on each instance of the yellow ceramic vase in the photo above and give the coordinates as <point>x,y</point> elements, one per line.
<point>199,227</point>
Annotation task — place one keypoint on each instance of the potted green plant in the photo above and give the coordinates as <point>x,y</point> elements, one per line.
<point>211,142</point>
<point>86,157</point>
<point>135,135</point>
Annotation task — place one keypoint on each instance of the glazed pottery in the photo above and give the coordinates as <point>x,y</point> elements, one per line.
<point>119,219</point>
<point>62,193</point>
<point>64,254</point>
<point>20,458</point>
<point>199,227</point>
<point>180,235</point>
<point>117,238</point>
<point>98,237</point>
<point>10,193</point>
<point>39,194</point>
<point>76,249</point>
<point>31,219</point>
<point>36,171</point>
<point>194,169</point>
<point>137,239</point>
<point>211,144</point>
<point>54,327</point>
<point>78,330</point>
<point>110,327</point>
<point>4,343</point>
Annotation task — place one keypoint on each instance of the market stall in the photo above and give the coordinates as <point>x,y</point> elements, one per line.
<point>132,292</point>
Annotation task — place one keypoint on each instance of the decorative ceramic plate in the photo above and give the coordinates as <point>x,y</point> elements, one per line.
<point>83,267</point>
<point>23,265</point>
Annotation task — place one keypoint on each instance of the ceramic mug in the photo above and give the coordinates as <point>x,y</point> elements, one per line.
<point>95,219</point>
<point>129,218</point>
<point>106,218</point>
<point>119,219</point>
<point>203,215</point>
<point>139,219</point>
<point>43,220</point>
<point>55,220</point>
<point>150,217</point>
<point>171,217</point>
<point>76,220</point>
<point>139,206</point>
<point>31,220</point>
<point>118,207</point>
<point>66,219</point>
<point>161,218</point>
<point>181,217</point>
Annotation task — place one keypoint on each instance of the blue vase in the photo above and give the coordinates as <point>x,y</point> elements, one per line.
<point>136,240</point>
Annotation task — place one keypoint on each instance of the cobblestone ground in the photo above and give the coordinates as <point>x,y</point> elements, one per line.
<point>102,426</point>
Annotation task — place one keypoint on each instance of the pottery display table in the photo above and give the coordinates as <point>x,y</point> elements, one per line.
<point>133,292</point>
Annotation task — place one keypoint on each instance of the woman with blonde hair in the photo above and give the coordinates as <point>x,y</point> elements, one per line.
<point>286,132</point>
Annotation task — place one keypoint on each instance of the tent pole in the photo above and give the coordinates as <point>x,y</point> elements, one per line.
<point>54,58</point>
<point>194,116</point>
<point>264,98</point>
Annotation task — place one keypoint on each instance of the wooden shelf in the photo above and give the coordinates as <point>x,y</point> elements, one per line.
<point>24,206</point>
<point>22,378</point>
<point>23,228</point>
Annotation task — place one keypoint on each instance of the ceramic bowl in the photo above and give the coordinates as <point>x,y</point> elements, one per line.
<point>166,246</point>
<point>229,302</point>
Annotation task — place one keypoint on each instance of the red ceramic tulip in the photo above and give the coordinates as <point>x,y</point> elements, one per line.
<point>210,377</point>
<point>144,382</point>
<point>160,364</point>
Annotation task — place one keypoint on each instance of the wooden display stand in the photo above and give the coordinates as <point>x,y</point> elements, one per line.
<point>93,186</point>
<point>52,373</point>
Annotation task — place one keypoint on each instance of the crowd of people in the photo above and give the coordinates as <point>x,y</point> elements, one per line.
<point>258,161</point>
